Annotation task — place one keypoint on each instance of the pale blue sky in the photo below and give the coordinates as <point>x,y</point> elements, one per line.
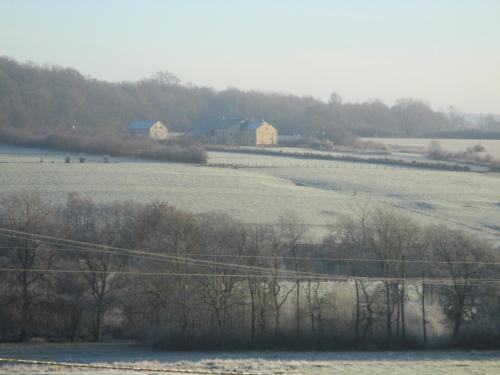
<point>446,52</point>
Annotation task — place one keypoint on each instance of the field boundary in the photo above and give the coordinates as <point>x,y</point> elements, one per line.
<point>348,158</point>
<point>123,368</point>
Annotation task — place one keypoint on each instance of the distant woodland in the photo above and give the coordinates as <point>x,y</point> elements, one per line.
<point>39,100</point>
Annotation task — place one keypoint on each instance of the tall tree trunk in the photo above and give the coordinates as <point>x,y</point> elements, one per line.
<point>396,298</point>
<point>356,320</point>
<point>185,318</point>
<point>424,320</point>
<point>277,321</point>
<point>457,323</point>
<point>25,308</point>
<point>456,328</point>
<point>252,311</point>
<point>368,331</point>
<point>297,310</point>
<point>402,299</point>
<point>388,315</point>
<point>458,316</point>
<point>262,315</point>
<point>402,306</point>
<point>98,322</point>
<point>297,304</point>
<point>388,310</point>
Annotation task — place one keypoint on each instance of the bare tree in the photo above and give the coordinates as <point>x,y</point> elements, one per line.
<point>103,281</point>
<point>258,243</point>
<point>462,258</point>
<point>385,242</point>
<point>170,231</point>
<point>354,239</point>
<point>277,288</point>
<point>223,238</point>
<point>316,303</point>
<point>27,212</point>
<point>292,231</point>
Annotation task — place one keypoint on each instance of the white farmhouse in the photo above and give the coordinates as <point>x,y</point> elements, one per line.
<point>152,129</point>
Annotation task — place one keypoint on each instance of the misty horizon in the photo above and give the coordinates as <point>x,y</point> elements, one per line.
<point>441,53</point>
<point>182,82</point>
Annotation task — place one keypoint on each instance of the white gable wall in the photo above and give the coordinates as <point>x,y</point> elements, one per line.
<point>158,131</point>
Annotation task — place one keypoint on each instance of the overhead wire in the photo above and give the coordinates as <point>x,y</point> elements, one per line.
<point>157,255</point>
<point>333,278</point>
<point>333,259</point>
<point>259,272</point>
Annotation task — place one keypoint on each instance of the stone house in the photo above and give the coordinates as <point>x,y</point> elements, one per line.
<point>152,129</point>
<point>237,132</point>
<point>258,133</point>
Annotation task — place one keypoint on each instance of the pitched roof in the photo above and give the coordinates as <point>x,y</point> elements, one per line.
<point>215,123</point>
<point>141,125</point>
<point>252,126</point>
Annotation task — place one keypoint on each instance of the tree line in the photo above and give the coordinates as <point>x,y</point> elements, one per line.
<point>48,99</point>
<point>84,271</point>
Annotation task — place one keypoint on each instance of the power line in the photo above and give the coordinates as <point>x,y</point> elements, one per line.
<point>275,272</point>
<point>159,256</point>
<point>332,259</point>
<point>172,258</point>
<point>333,278</point>
<point>140,273</point>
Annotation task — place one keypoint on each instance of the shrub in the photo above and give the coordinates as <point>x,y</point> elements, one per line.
<point>478,148</point>
<point>111,144</point>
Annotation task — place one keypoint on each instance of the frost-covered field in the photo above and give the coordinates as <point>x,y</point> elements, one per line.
<point>453,145</point>
<point>442,362</point>
<point>462,199</point>
<point>260,188</point>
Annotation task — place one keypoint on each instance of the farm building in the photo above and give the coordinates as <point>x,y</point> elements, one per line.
<point>152,129</point>
<point>258,133</point>
<point>237,132</point>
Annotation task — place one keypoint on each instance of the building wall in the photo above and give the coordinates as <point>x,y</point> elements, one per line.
<point>140,132</point>
<point>158,131</point>
<point>227,136</point>
<point>266,134</point>
<point>248,138</point>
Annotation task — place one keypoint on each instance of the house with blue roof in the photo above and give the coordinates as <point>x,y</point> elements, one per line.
<point>233,131</point>
<point>152,129</point>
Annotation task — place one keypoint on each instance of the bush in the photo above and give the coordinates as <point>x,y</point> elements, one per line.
<point>471,154</point>
<point>478,148</point>
<point>112,144</point>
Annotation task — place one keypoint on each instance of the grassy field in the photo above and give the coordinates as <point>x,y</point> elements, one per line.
<point>492,146</point>
<point>260,188</point>
<point>462,199</point>
<point>441,362</point>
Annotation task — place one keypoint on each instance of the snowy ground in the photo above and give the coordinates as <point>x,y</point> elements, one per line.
<point>440,362</point>
<point>261,188</point>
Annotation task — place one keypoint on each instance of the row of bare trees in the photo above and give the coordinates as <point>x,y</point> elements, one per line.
<point>430,265</point>
<point>88,271</point>
<point>54,100</point>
